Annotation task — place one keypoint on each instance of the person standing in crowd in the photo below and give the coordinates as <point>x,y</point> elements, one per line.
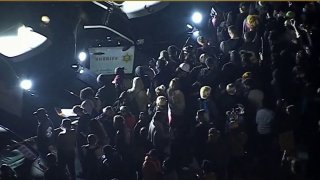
<point>170,65</point>
<point>231,70</point>
<point>102,92</point>
<point>162,76</point>
<point>122,137</point>
<point>90,103</point>
<point>244,10</point>
<point>123,100</point>
<point>161,105</point>
<point>182,72</point>
<point>177,104</point>
<point>195,71</point>
<point>201,134</point>
<point>206,47</point>
<point>81,131</point>
<point>151,168</point>
<point>236,139</point>
<point>91,162</point>
<point>137,97</point>
<point>120,81</point>
<point>146,74</point>
<point>54,171</point>
<point>254,94</point>
<point>158,132</point>
<point>217,151</point>
<point>112,164</point>
<point>123,144</point>
<point>169,170</point>
<point>210,75</point>
<point>173,54</point>
<point>188,55</point>
<point>66,144</point>
<point>96,128</point>
<point>142,145</point>
<point>211,112</point>
<point>234,43</point>
<point>106,119</point>
<point>229,98</point>
<point>45,132</point>
<point>143,121</point>
<point>264,120</point>
<point>251,43</point>
<point>129,118</point>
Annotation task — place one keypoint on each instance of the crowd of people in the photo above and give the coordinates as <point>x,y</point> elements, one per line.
<point>243,103</point>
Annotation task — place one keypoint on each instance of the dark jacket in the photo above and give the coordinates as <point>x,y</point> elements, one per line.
<point>231,44</point>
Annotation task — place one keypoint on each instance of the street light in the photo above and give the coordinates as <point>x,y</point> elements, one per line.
<point>82,56</point>
<point>196,17</point>
<point>26,84</point>
<point>45,19</point>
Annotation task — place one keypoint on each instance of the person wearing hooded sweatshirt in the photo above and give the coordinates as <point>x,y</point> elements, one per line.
<point>151,168</point>
<point>137,97</point>
<point>159,131</point>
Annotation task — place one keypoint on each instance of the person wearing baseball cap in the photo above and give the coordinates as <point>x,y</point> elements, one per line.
<point>120,81</point>
<point>45,132</point>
